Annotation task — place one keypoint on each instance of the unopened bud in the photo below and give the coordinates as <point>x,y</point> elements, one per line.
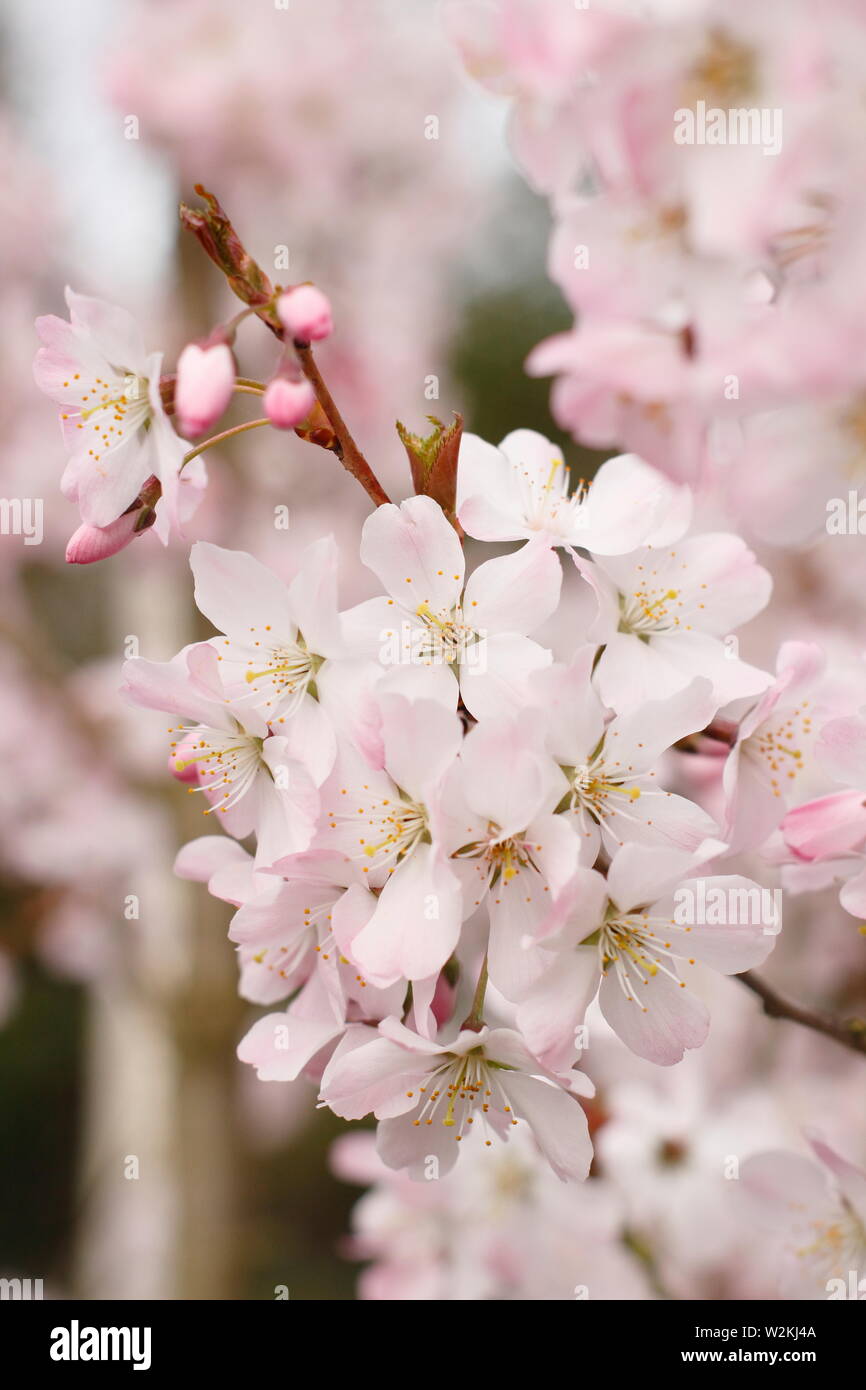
<point>182,760</point>
<point>288,402</point>
<point>205,382</point>
<point>444,998</point>
<point>92,543</point>
<point>305,313</point>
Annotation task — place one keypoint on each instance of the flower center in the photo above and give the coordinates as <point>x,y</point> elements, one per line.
<point>313,932</point>
<point>461,1090</point>
<point>839,1245</point>
<point>651,609</point>
<point>551,505</point>
<point>635,947</point>
<point>725,72</point>
<point>445,636</point>
<point>780,745</point>
<point>392,828</point>
<point>227,763</point>
<point>281,685</point>
<point>108,412</point>
<point>500,858</point>
<point>591,788</point>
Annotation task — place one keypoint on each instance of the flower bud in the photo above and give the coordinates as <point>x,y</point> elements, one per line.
<point>92,543</point>
<point>444,998</point>
<point>288,402</point>
<point>305,313</point>
<point>205,382</point>
<point>181,760</point>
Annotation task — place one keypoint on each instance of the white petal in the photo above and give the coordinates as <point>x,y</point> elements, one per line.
<point>240,596</point>
<point>415,552</point>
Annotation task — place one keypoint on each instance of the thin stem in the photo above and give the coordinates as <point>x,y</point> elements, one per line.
<point>238,319</point>
<point>249,381</point>
<point>475,1018</point>
<point>850,1032</point>
<point>219,438</point>
<point>244,390</point>
<point>345,448</point>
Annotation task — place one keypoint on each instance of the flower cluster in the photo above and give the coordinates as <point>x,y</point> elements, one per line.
<point>500,1227</point>
<point>704,165</point>
<point>503,803</point>
<point>455,825</point>
<point>129,469</point>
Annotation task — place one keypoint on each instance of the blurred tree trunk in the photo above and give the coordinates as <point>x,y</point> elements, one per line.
<point>161,1144</point>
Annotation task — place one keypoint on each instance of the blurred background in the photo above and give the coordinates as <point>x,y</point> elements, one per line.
<point>138,1158</point>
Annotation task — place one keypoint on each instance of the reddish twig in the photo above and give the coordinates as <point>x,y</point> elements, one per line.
<point>213,229</point>
<point>344,446</point>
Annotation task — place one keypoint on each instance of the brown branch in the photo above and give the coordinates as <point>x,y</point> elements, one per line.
<point>213,229</point>
<point>849,1032</point>
<point>344,446</point>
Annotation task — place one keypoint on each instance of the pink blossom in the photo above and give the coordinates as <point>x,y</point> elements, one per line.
<point>91,543</point>
<point>288,401</point>
<point>387,822</point>
<point>305,313</point>
<point>512,853</point>
<point>523,488</point>
<point>427,1095</point>
<point>276,639</point>
<point>815,1216</point>
<point>774,748</point>
<point>638,947</point>
<point>833,827</point>
<point>666,616</point>
<point>205,384</point>
<point>250,777</point>
<point>610,765</point>
<point>477,632</point>
<point>112,418</point>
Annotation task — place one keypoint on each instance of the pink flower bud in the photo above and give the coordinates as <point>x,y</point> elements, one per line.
<point>444,997</point>
<point>288,402</point>
<point>205,382</point>
<point>305,313</point>
<point>92,543</point>
<point>179,764</point>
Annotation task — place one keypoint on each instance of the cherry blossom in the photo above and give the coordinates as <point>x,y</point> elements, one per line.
<point>427,1095</point>
<point>306,314</point>
<point>276,638</point>
<point>386,821</point>
<point>512,854</point>
<point>250,777</point>
<point>636,940</point>
<point>499,841</point>
<point>666,616</point>
<point>774,747</point>
<point>815,1213</point>
<point>480,631</point>
<point>112,417</point>
<point>523,488</point>
<point>205,382</point>
<point>610,765</point>
<point>499,1226</point>
<point>833,828</point>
